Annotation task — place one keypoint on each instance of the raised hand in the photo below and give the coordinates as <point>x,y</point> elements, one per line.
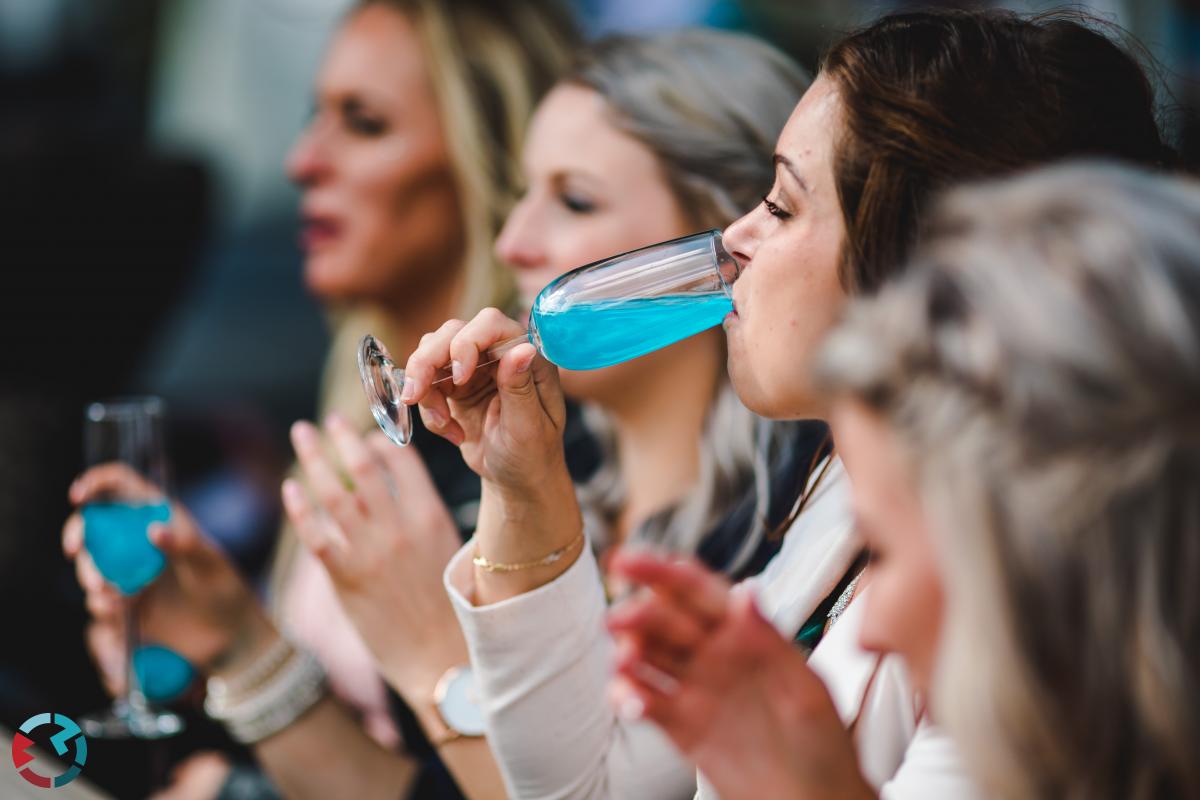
<point>508,421</point>
<point>384,540</point>
<point>700,660</point>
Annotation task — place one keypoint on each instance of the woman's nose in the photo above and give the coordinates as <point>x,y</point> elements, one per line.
<point>740,240</point>
<point>307,161</point>
<point>518,244</point>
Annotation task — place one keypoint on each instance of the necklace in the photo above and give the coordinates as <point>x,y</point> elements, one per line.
<point>844,600</point>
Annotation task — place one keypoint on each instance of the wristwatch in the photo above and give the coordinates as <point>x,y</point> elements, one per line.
<point>457,703</point>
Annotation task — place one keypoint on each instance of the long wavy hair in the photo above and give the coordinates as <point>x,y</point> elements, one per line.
<point>1041,365</point>
<point>709,105</point>
<point>492,60</point>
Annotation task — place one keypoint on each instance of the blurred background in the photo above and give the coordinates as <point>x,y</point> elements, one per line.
<point>149,245</point>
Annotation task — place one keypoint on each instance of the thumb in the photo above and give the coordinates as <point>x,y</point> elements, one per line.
<point>528,384</point>
<point>178,539</point>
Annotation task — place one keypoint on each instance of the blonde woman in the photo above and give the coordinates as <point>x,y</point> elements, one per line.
<point>1038,382</point>
<point>1019,419</point>
<point>407,168</point>
<point>609,162</point>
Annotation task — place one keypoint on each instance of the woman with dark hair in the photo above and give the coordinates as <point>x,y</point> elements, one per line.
<point>1019,416</point>
<point>900,109</point>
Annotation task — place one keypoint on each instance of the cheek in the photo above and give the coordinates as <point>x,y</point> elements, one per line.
<point>408,218</point>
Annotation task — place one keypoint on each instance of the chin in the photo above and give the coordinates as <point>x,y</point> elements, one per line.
<point>326,281</point>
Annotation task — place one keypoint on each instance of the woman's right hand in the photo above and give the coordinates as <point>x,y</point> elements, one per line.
<point>507,419</point>
<point>508,422</point>
<point>199,606</point>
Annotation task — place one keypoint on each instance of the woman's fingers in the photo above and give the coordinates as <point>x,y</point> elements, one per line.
<point>327,486</point>
<point>437,416</point>
<point>417,497</point>
<point>311,527</point>
<point>489,328</point>
<point>686,583</point>
<point>365,469</point>
<point>656,625</point>
<point>112,479</point>
<point>103,600</point>
<point>426,363</point>
<point>72,536</point>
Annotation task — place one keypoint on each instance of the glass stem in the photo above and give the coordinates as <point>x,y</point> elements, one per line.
<point>134,698</point>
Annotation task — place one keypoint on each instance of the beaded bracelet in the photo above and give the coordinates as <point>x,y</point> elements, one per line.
<point>276,703</point>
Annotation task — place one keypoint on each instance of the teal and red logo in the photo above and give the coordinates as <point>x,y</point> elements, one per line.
<point>67,738</point>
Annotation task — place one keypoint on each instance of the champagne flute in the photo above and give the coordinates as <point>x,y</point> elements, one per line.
<point>128,431</point>
<point>597,315</point>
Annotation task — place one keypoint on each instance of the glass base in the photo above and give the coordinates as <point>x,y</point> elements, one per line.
<point>122,721</point>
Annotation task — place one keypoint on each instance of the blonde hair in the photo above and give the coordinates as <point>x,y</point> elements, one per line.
<point>490,63</point>
<point>709,105</point>
<point>1041,364</point>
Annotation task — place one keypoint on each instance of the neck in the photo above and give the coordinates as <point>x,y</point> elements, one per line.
<point>659,427</point>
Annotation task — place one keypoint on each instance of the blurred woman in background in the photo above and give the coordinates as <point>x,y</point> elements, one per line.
<point>407,169</point>
<point>646,139</point>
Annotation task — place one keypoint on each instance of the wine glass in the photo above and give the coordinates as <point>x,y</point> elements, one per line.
<point>594,316</point>
<point>129,431</point>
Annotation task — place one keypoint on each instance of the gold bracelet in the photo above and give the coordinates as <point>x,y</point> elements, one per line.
<point>493,566</point>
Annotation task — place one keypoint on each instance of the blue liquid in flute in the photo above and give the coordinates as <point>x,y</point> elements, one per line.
<point>115,536</point>
<point>595,335</point>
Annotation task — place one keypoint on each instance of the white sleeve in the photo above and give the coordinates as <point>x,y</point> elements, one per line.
<point>931,770</point>
<point>542,662</point>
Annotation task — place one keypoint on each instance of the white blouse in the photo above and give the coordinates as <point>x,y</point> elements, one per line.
<point>543,660</point>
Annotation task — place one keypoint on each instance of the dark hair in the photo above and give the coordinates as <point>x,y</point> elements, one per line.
<point>934,98</point>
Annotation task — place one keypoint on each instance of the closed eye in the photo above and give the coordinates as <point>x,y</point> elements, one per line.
<point>774,210</point>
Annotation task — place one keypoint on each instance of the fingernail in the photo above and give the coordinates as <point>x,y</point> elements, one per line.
<point>435,417</point>
<point>631,707</point>
<point>406,395</point>
<point>291,492</point>
<point>157,533</point>
<point>456,372</point>
<point>524,366</point>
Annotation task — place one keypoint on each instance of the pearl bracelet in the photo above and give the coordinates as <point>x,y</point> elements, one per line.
<point>276,702</point>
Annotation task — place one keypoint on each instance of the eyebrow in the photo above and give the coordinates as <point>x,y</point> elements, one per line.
<point>781,160</point>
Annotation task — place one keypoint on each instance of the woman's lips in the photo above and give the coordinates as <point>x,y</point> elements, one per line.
<point>317,232</point>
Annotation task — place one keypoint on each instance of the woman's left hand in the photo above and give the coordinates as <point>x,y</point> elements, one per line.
<point>385,536</point>
<point>700,660</point>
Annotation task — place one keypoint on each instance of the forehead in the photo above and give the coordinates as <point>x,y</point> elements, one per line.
<point>808,137</point>
<point>376,50</point>
<point>573,130</point>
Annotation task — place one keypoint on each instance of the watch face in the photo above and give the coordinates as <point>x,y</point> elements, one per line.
<point>459,704</point>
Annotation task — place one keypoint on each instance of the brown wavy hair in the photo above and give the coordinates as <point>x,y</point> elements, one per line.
<point>931,99</point>
<point>935,98</point>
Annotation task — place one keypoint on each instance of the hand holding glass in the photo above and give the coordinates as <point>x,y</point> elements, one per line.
<point>129,432</point>
<point>594,316</point>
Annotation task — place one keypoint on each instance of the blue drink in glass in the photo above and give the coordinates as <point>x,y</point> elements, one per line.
<point>115,534</point>
<point>600,334</point>
<point>594,316</point>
